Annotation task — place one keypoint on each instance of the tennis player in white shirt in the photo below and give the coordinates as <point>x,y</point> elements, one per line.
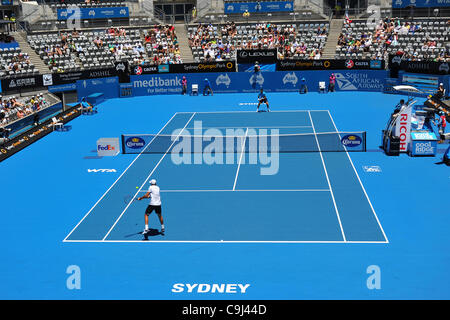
<point>155,204</point>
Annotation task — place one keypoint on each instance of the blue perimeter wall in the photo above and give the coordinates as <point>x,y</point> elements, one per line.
<point>271,81</point>
<point>241,82</point>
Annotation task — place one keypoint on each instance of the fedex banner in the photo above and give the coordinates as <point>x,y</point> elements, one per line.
<point>396,4</point>
<point>93,13</point>
<point>257,6</point>
<point>346,80</point>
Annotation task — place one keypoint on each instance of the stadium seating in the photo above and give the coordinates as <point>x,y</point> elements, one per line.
<point>85,4</point>
<point>15,63</point>
<point>15,108</point>
<point>423,39</point>
<point>93,49</point>
<point>293,40</point>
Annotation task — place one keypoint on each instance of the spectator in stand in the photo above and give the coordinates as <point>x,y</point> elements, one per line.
<point>332,82</point>
<point>440,94</point>
<point>246,14</point>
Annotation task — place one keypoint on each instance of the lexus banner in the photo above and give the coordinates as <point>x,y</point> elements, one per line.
<point>260,55</point>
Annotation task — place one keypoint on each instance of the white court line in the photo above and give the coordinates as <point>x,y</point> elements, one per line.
<point>258,127</point>
<point>362,186</point>
<point>240,159</point>
<point>126,208</point>
<point>115,181</point>
<point>328,179</point>
<point>232,241</point>
<point>240,111</point>
<point>244,190</point>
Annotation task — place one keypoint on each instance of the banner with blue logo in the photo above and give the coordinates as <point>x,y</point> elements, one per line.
<point>63,87</point>
<point>108,86</point>
<point>346,80</point>
<point>420,3</point>
<point>93,13</point>
<point>263,6</point>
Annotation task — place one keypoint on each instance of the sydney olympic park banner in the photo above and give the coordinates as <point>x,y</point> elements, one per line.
<point>279,81</point>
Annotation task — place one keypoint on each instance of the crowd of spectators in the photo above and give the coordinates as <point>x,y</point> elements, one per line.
<point>264,35</point>
<point>386,37</point>
<point>62,51</point>
<point>13,108</point>
<point>162,42</point>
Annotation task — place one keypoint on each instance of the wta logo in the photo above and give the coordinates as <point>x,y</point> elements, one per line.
<point>351,141</point>
<point>135,143</point>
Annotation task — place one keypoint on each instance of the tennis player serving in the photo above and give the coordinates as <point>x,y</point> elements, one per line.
<point>262,99</point>
<point>155,204</point>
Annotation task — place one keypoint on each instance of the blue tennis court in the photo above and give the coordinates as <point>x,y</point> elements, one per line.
<point>312,196</point>
<point>310,231</point>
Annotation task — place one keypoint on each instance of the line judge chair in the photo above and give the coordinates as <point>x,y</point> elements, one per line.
<point>322,87</point>
<point>194,90</point>
<point>56,124</point>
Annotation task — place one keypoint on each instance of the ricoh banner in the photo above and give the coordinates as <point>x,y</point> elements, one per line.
<point>346,80</point>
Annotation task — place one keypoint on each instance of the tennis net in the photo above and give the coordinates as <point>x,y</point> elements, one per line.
<point>244,143</point>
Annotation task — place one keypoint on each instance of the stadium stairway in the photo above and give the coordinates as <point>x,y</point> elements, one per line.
<point>183,43</point>
<point>329,50</point>
<point>21,39</point>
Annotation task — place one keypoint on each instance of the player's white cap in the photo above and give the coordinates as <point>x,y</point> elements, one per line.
<point>153,181</point>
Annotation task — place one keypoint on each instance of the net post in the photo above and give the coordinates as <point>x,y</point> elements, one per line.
<point>365,141</point>
<point>123,143</point>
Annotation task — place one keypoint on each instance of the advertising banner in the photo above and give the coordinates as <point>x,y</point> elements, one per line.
<point>93,13</point>
<point>403,127</point>
<point>253,55</point>
<point>22,83</point>
<point>429,67</point>
<point>396,4</point>
<point>258,6</point>
<point>108,86</point>
<point>346,80</point>
<point>350,64</point>
<point>220,66</point>
<point>70,77</point>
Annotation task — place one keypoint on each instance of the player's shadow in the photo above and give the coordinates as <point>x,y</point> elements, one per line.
<point>151,233</point>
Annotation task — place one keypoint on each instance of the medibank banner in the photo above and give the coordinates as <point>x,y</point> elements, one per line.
<point>346,80</point>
